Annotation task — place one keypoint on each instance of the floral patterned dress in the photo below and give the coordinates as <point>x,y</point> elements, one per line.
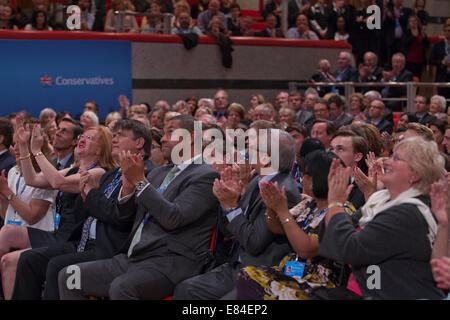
<point>270,283</point>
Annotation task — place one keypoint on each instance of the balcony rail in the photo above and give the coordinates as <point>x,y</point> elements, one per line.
<point>349,89</point>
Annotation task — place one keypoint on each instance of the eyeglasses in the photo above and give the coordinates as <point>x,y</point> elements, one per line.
<point>396,158</point>
<point>85,137</point>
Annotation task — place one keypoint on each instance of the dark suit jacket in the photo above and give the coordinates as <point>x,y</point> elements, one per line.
<point>68,163</point>
<point>110,235</point>
<point>343,120</point>
<point>397,92</point>
<point>67,211</point>
<point>356,197</point>
<point>235,29</point>
<point>389,116</point>
<point>304,117</point>
<point>383,125</point>
<point>386,241</point>
<point>348,15</point>
<point>176,237</point>
<point>350,74</point>
<point>376,76</point>
<point>270,8</point>
<point>388,26</point>
<point>436,57</point>
<point>7,161</point>
<point>427,118</point>
<point>252,239</point>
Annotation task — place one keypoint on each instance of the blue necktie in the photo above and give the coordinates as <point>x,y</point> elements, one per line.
<point>85,234</point>
<point>87,223</point>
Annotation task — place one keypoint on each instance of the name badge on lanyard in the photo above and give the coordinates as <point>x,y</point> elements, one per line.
<point>17,223</point>
<point>294,269</point>
<point>57,220</point>
<point>18,195</point>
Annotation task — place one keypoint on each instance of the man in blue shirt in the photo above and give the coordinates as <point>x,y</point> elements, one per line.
<point>205,17</point>
<point>183,25</point>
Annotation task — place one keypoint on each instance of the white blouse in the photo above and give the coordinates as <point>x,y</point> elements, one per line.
<point>25,193</point>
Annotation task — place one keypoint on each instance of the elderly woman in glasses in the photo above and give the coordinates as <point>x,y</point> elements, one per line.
<point>390,255</point>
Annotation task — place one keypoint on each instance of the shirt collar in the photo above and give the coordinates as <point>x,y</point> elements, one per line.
<point>64,161</point>
<point>3,151</point>
<point>268,178</point>
<point>186,163</point>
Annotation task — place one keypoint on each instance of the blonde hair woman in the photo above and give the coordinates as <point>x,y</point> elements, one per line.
<point>398,228</point>
<point>93,153</point>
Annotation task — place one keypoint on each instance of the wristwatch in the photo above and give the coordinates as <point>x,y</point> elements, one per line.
<point>141,185</point>
<point>9,197</point>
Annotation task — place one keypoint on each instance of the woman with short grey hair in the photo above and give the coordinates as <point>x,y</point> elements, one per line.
<point>390,255</point>
<point>46,116</point>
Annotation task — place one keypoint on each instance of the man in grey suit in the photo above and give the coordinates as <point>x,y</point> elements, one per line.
<point>244,220</point>
<point>302,115</point>
<point>175,214</point>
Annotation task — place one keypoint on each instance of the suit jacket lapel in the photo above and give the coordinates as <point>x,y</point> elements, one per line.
<point>245,199</point>
<point>173,184</point>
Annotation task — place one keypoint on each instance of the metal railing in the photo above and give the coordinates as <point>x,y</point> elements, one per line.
<point>166,17</point>
<point>349,89</point>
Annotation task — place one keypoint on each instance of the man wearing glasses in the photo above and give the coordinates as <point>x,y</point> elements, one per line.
<point>376,113</point>
<point>220,104</point>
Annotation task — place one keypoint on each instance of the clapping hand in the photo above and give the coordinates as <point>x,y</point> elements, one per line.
<point>371,159</point>
<point>133,170</point>
<point>441,272</point>
<point>273,198</point>
<point>87,182</point>
<point>244,173</point>
<point>37,139</point>
<point>388,140</point>
<point>388,75</point>
<point>368,184</point>
<point>338,182</point>
<point>363,70</point>
<point>439,201</point>
<point>4,187</point>
<point>227,189</point>
<point>22,132</point>
<point>124,104</point>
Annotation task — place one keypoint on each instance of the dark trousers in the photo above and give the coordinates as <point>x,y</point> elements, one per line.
<point>219,283</point>
<point>118,279</point>
<point>41,265</point>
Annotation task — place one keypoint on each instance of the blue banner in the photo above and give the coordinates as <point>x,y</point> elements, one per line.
<point>63,75</point>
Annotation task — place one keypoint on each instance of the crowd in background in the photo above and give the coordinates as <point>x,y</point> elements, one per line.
<point>403,30</point>
<point>350,190</point>
<point>357,184</point>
